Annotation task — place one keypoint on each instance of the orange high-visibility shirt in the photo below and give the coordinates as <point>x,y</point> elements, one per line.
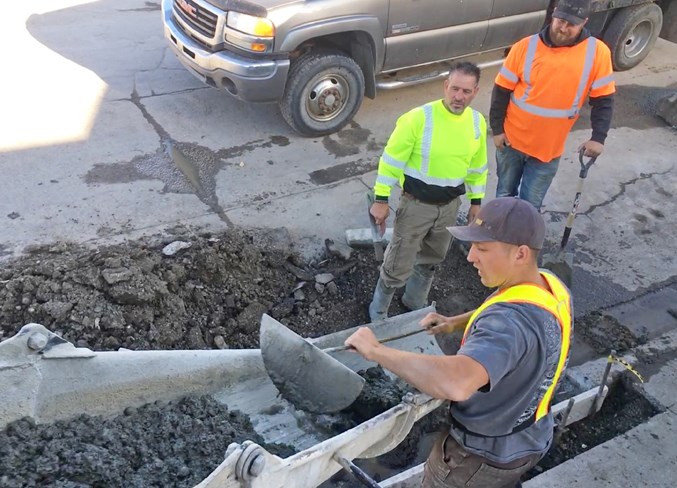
<point>549,86</point>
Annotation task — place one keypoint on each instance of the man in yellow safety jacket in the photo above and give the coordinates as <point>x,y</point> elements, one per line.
<point>537,97</point>
<point>436,153</point>
<point>514,351</point>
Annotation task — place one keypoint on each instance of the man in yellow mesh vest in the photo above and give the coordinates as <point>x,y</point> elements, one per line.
<point>436,153</point>
<point>514,351</point>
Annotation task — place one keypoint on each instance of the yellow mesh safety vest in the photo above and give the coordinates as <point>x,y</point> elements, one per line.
<point>558,304</point>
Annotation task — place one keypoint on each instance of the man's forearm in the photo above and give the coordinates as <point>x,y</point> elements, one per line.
<point>462,319</point>
<point>602,109</point>
<point>500,99</point>
<point>442,377</point>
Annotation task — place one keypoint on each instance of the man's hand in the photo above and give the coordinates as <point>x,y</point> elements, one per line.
<point>592,149</point>
<point>380,211</point>
<point>472,213</point>
<point>500,141</point>
<point>364,342</point>
<point>439,324</point>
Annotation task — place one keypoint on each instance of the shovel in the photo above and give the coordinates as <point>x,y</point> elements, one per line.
<point>306,375</point>
<point>563,264</point>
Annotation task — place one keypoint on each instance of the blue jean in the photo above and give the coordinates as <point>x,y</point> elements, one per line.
<point>519,171</point>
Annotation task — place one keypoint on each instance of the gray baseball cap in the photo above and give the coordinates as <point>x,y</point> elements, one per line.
<point>507,219</point>
<point>573,11</point>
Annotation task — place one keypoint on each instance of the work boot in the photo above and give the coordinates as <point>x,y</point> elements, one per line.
<point>378,308</point>
<point>418,286</point>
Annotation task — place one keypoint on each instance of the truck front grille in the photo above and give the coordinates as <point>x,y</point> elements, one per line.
<point>198,17</point>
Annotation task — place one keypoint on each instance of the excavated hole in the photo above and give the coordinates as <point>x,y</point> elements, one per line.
<point>210,295</point>
<point>623,409</point>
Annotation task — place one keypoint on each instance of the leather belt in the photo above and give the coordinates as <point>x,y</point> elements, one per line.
<point>437,204</point>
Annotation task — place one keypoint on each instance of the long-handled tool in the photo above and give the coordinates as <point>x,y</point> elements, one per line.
<point>306,375</point>
<point>376,237</point>
<point>563,264</point>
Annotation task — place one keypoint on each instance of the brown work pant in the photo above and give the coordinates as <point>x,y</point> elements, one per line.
<point>420,236</point>
<point>451,466</point>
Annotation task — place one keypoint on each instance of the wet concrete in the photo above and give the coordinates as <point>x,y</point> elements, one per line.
<point>352,140</point>
<point>342,171</point>
<point>176,444</point>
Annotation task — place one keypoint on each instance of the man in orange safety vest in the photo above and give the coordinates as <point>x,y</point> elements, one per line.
<point>537,96</point>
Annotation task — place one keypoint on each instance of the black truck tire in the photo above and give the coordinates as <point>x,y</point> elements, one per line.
<point>324,92</point>
<point>632,33</point>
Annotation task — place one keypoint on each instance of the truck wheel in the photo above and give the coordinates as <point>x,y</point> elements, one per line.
<point>632,33</point>
<point>324,91</point>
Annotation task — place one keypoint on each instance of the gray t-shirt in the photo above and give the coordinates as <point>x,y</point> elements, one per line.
<point>519,345</point>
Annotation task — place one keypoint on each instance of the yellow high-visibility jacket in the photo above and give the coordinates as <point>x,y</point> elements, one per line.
<point>437,147</point>
<point>557,301</point>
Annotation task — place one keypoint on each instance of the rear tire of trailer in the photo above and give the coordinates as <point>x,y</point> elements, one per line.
<point>324,92</point>
<point>632,33</point>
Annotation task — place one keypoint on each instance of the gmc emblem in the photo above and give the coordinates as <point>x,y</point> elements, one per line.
<point>186,7</point>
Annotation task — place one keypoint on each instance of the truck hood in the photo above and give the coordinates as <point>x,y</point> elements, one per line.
<point>258,8</point>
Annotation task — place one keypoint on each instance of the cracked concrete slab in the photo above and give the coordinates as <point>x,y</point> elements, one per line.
<point>623,223</point>
<point>322,217</point>
<point>662,385</point>
<point>650,315</point>
<point>643,456</point>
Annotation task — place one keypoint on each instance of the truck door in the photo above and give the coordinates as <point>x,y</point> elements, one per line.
<point>512,20</point>
<point>425,31</point>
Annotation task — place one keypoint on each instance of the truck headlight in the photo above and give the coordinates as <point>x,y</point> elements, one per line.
<point>249,32</point>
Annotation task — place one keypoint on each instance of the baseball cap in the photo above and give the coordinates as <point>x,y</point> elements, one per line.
<point>507,219</point>
<point>573,11</point>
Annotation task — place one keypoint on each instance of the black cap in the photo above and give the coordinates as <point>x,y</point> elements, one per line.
<point>507,219</point>
<point>573,11</point>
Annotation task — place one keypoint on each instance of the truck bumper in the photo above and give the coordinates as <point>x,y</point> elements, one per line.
<point>250,80</point>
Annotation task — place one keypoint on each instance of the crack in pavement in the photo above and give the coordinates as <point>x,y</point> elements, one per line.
<point>186,165</point>
<point>624,185</point>
<point>642,292</point>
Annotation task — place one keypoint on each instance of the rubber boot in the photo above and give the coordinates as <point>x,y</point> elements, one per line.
<point>418,286</point>
<point>378,308</point>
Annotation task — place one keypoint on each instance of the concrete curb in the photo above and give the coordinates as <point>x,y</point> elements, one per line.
<point>645,455</point>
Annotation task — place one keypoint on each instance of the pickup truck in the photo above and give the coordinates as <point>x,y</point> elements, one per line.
<point>318,59</point>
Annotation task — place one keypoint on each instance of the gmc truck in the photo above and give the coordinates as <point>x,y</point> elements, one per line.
<point>318,59</point>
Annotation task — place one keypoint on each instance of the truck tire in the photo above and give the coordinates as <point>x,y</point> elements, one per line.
<point>324,91</point>
<point>632,33</point>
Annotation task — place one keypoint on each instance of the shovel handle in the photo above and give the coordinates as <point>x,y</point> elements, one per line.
<point>585,165</point>
<point>358,473</point>
<point>329,350</point>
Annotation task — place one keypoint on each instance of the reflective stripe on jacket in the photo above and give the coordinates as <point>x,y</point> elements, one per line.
<point>437,147</point>
<point>550,85</point>
<point>558,303</point>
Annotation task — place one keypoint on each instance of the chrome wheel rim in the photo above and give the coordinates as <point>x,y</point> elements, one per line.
<point>327,97</point>
<point>637,39</point>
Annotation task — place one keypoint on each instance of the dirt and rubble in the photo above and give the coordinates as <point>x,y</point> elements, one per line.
<point>211,294</point>
<point>196,292</point>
